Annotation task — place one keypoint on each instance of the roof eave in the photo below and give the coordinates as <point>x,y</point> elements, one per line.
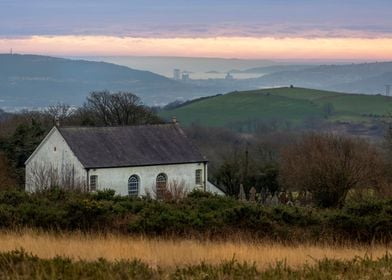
<point>144,165</point>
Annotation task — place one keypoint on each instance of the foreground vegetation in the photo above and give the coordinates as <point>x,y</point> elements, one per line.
<point>172,252</point>
<point>200,215</point>
<point>18,264</point>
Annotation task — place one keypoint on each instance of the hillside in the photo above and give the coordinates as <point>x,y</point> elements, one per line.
<point>369,78</point>
<point>363,78</point>
<point>31,80</point>
<point>296,105</point>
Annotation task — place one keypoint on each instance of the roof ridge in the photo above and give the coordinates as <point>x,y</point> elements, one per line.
<point>117,126</point>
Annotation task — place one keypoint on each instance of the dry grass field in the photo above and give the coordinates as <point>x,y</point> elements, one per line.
<point>172,253</point>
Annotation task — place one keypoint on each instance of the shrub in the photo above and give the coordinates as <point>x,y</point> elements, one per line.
<point>106,194</point>
<point>198,214</point>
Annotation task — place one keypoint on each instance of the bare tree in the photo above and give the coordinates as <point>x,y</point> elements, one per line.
<point>59,112</point>
<point>173,191</point>
<point>176,190</point>
<point>44,177</point>
<point>120,108</point>
<point>329,166</point>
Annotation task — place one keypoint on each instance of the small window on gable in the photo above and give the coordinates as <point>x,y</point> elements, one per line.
<point>93,183</point>
<point>54,149</point>
<point>198,177</point>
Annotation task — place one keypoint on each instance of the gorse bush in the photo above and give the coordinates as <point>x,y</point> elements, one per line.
<point>199,214</point>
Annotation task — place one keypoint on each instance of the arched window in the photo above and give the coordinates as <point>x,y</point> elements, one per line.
<point>161,185</point>
<point>133,185</point>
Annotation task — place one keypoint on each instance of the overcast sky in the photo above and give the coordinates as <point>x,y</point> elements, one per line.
<point>165,19</point>
<point>172,18</point>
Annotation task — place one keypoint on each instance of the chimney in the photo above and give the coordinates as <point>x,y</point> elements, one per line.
<point>57,121</point>
<point>174,120</point>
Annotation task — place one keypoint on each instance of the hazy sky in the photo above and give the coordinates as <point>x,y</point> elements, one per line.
<point>226,28</point>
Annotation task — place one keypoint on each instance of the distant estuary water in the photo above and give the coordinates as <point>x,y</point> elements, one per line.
<point>207,75</point>
<point>197,68</point>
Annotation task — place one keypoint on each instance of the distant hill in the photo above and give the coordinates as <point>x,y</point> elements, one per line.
<point>4,115</point>
<point>36,81</point>
<point>365,78</point>
<point>273,69</point>
<point>369,78</point>
<point>296,105</point>
<point>31,80</point>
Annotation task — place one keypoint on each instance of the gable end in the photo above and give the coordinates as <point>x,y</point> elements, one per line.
<point>50,133</point>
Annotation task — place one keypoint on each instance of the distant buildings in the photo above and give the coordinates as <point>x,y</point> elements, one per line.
<point>176,74</point>
<point>229,77</point>
<point>388,90</point>
<point>185,76</point>
<point>180,75</point>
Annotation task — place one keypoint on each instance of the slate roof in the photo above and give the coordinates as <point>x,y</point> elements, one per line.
<point>100,147</point>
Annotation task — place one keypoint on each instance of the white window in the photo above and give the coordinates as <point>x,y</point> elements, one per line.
<point>161,185</point>
<point>133,185</point>
<point>93,183</point>
<point>198,176</point>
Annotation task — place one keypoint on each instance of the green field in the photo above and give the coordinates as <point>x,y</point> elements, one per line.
<point>286,104</point>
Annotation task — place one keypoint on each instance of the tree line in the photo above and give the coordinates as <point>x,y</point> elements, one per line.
<point>330,168</point>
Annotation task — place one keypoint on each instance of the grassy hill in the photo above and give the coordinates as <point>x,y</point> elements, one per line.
<point>369,78</point>
<point>287,104</point>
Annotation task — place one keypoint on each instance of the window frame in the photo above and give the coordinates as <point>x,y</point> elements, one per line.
<point>199,177</point>
<point>93,183</point>
<point>160,190</point>
<point>135,183</point>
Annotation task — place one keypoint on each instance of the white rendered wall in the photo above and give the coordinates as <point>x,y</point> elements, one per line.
<point>214,189</point>
<point>53,156</point>
<point>117,178</point>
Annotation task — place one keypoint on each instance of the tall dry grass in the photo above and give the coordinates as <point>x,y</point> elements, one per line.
<point>170,253</point>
